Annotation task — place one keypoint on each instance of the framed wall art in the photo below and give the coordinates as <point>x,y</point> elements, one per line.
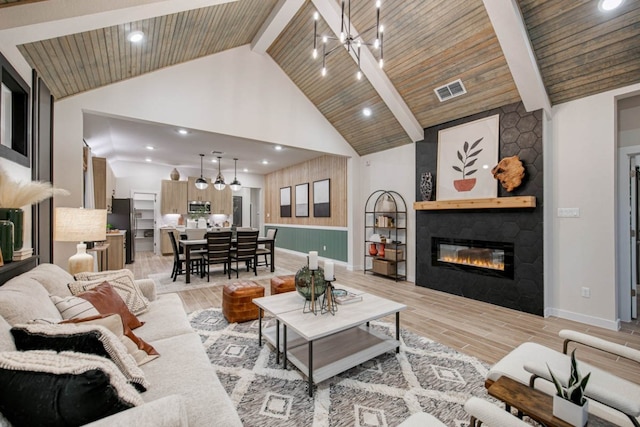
<point>322,198</point>
<point>466,154</point>
<point>285,202</point>
<point>302,200</point>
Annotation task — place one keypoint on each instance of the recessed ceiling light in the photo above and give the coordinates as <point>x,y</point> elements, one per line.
<point>135,36</point>
<point>150,147</point>
<point>366,112</point>
<point>183,131</point>
<point>608,5</point>
<point>245,170</point>
<point>265,162</point>
<point>278,147</point>
<point>147,159</point>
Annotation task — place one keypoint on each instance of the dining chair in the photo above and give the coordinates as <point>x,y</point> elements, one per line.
<point>218,251</point>
<point>179,260</point>
<point>245,249</point>
<point>263,250</point>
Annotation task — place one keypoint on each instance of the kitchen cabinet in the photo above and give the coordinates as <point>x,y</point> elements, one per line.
<point>165,241</point>
<point>193,194</point>
<point>174,197</point>
<point>222,202</point>
<point>99,182</point>
<point>116,252</point>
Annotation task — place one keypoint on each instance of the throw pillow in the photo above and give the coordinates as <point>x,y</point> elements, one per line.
<point>61,389</point>
<point>121,280</point>
<point>73,307</point>
<point>89,339</point>
<point>107,301</point>
<point>141,351</point>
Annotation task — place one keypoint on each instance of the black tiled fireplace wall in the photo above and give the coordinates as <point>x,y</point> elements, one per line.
<point>521,134</point>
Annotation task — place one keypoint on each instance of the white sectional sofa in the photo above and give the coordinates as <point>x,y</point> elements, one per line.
<point>184,388</point>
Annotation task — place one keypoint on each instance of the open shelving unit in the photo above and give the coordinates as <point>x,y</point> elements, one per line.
<point>385,218</point>
<point>144,209</point>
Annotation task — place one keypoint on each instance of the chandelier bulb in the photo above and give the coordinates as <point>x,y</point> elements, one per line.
<point>324,71</point>
<point>341,36</point>
<point>316,16</point>
<point>378,4</point>
<point>381,28</point>
<point>381,63</point>
<point>359,75</point>
<point>324,39</point>
<point>359,44</point>
<point>315,53</point>
<point>376,43</point>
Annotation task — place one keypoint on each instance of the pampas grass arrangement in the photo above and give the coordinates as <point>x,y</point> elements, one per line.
<point>15,194</point>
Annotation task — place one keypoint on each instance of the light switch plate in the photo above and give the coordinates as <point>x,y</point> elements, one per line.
<point>568,212</point>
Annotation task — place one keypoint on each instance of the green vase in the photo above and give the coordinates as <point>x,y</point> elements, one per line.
<point>16,217</point>
<point>6,240</point>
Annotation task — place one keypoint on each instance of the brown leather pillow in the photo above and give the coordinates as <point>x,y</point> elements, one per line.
<point>107,301</point>
<point>141,351</point>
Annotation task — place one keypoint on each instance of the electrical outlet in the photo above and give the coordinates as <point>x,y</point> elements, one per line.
<point>324,248</point>
<point>586,292</point>
<point>568,212</point>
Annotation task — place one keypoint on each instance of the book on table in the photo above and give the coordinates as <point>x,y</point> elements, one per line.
<point>345,297</point>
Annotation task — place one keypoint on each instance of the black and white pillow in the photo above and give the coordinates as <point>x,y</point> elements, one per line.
<point>61,389</point>
<point>89,339</point>
<point>73,307</point>
<point>121,280</point>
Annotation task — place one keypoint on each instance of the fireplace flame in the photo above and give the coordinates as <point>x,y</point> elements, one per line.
<point>474,262</point>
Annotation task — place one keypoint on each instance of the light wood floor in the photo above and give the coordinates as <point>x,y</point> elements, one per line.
<point>483,330</point>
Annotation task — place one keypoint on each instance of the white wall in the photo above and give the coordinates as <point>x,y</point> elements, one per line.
<point>583,155</point>
<point>235,92</point>
<point>393,169</point>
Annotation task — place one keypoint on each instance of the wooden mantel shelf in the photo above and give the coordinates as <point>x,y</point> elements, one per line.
<point>492,203</point>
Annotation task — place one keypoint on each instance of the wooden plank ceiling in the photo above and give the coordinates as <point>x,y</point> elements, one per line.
<point>580,52</point>
<point>4,3</point>
<point>84,61</point>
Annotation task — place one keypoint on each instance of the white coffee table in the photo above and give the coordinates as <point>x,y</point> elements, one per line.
<point>324,345</point>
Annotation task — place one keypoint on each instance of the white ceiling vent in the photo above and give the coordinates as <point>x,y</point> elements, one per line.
<point>450,90</point>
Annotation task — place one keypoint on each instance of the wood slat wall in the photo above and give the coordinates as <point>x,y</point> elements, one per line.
<point>79,62</point>
<point>332,167</point>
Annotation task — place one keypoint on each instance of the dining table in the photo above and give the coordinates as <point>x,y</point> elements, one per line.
<point>194,244</point>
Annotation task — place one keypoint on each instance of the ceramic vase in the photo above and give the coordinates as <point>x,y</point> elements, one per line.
<point>175,175</point>
<point>426,186</point>
<point>372,249</point>
<point>6,240</point>
<point>381,250</point>
<point>570,412</point>
<point>16,217</point>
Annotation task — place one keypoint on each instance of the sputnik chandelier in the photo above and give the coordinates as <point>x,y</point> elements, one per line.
<point>351,42</point>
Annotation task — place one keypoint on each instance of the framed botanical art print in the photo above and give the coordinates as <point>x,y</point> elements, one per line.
<point>302,200</point>
<point>285,202</point>
<point>322,198</point>
<point>466,154</point>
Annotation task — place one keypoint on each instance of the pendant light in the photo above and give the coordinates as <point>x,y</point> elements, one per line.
<point>201,183</point>
<point>235,184</point>
<point>219,184</point>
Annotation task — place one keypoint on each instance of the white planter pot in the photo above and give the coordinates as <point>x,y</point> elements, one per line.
<point>570,412</point>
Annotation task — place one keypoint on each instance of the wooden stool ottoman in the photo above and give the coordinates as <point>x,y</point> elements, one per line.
<point>237,305</point>
<point>282,284</point>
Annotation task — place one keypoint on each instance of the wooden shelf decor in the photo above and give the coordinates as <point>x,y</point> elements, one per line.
<point>491,203</point>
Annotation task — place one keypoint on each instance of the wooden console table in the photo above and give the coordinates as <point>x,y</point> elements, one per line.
<point>534,403</point>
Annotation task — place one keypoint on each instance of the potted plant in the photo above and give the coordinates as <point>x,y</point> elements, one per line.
<point>467,160</point>
<point>569,404</point>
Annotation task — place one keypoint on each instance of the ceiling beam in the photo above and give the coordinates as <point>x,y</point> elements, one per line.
<point>331,13</point>
<point>279,18</point>
<point>508,24</point>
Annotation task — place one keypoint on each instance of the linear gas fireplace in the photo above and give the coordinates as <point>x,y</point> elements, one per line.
<point>474,256</point>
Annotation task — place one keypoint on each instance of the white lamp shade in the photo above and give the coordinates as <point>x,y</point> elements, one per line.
<point>80,225</point>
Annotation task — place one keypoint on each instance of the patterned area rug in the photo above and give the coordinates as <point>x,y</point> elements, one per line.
<point>164,283</point>
<point>424,376</point>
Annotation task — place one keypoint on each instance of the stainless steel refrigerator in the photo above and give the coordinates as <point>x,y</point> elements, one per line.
<point>122,218</point>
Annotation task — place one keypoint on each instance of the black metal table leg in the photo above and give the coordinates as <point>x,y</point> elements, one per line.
<point>277,342</point>
<point>284,345</point>
<point>260,311</point>
<point>398,331</point>
<point>310,369</point>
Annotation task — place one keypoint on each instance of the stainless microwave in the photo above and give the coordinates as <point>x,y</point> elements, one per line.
<point>197,206</point>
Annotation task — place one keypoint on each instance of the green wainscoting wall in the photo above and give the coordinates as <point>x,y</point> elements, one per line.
<point>313,239</point>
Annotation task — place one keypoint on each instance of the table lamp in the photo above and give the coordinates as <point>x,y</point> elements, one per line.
<point>80,225</point>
